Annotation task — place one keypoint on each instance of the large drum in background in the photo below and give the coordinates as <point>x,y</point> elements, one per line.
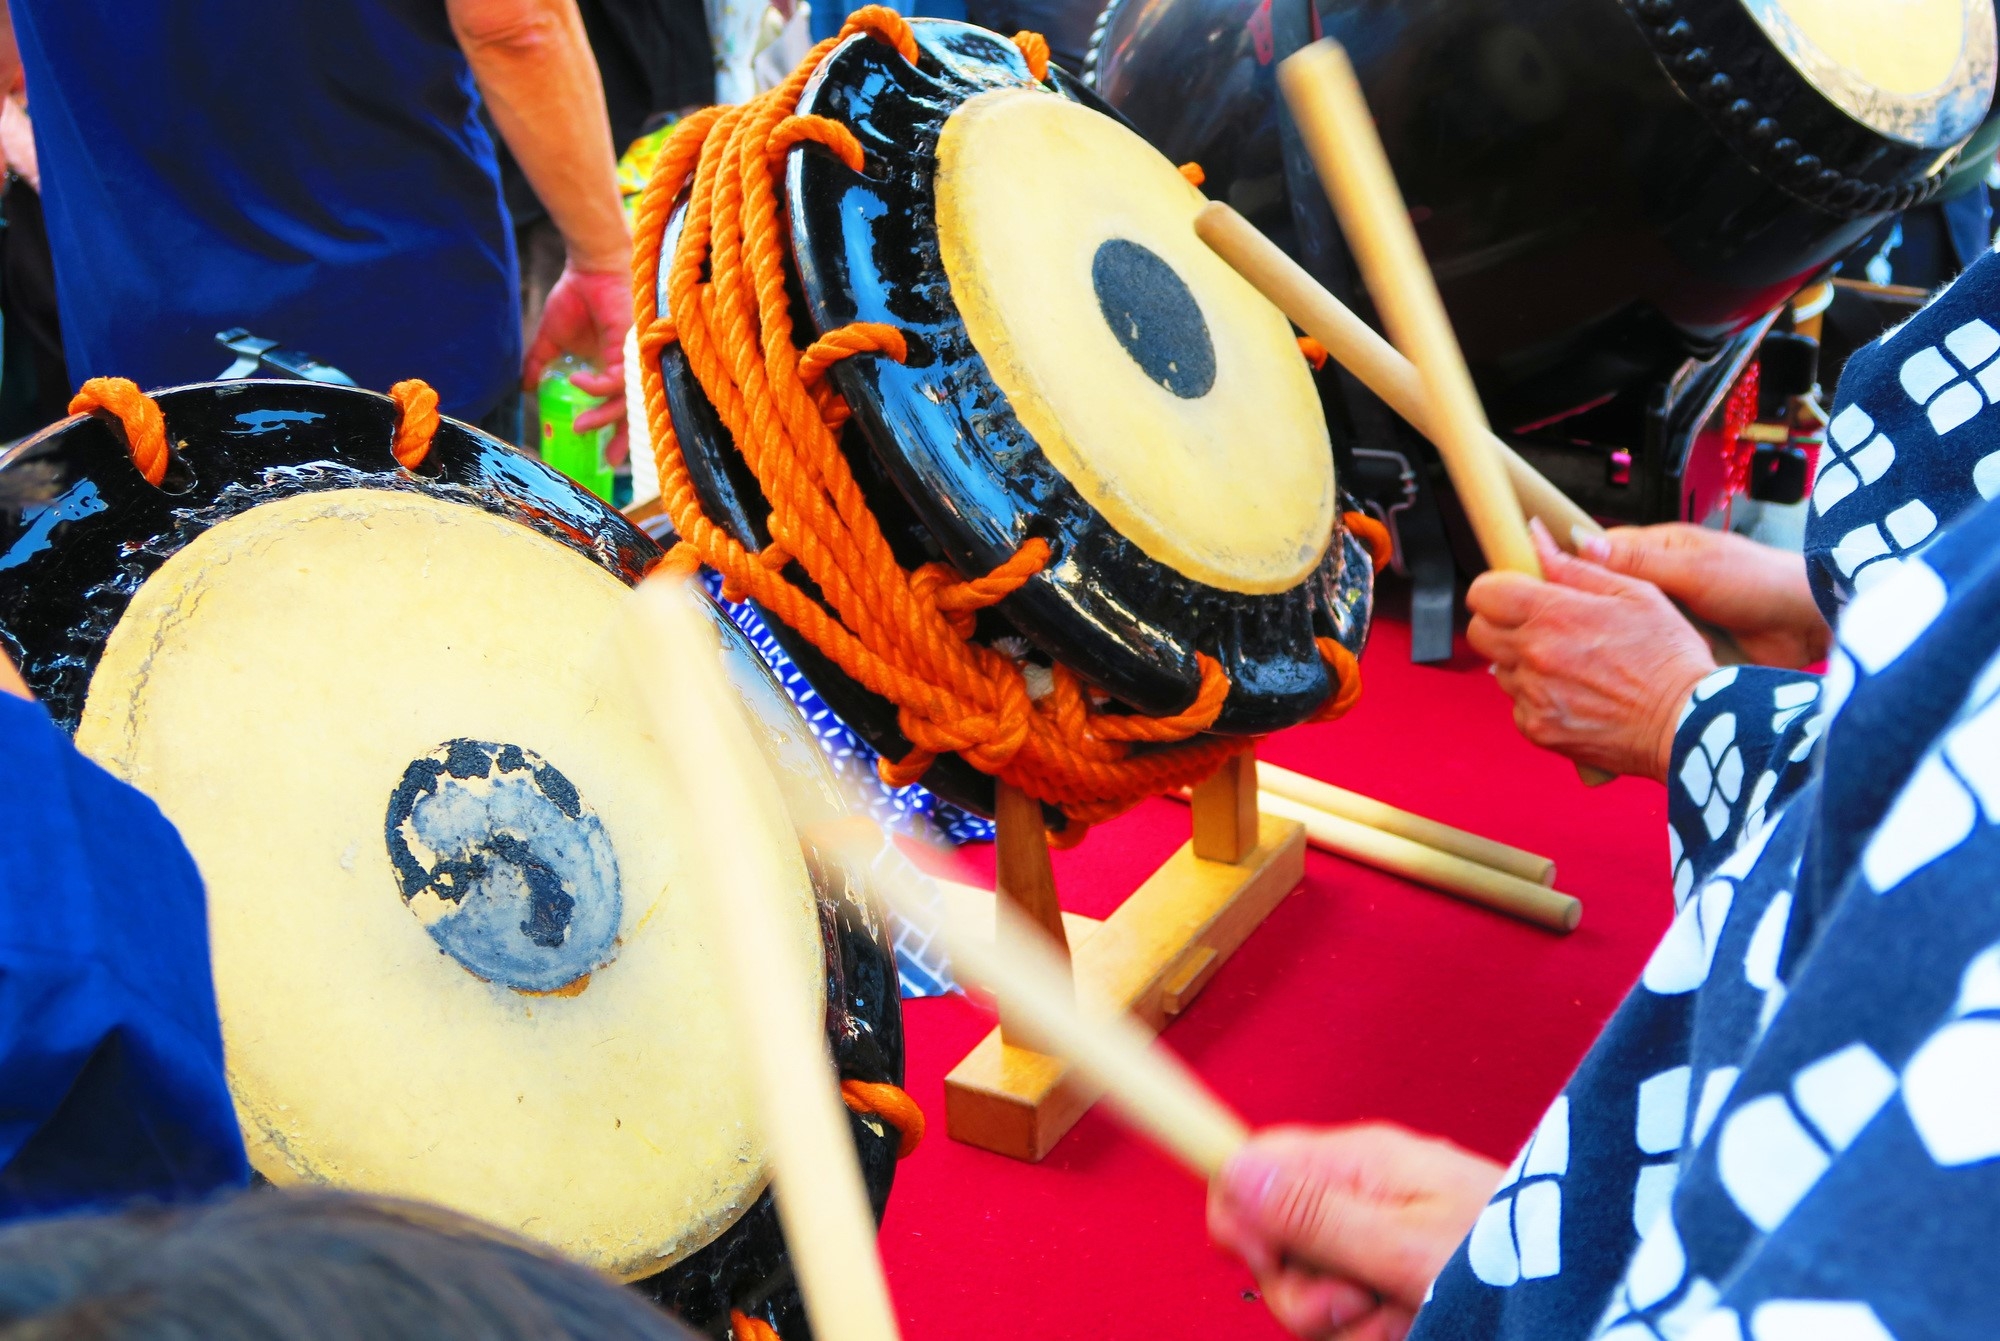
<point>455,950</point>
<point>1604,188</point>
<point>1081,369</point>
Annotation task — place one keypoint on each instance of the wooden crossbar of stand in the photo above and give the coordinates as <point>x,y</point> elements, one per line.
<point>1150,958</point>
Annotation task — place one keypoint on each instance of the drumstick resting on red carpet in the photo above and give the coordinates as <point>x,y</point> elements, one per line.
<point>734,828</point>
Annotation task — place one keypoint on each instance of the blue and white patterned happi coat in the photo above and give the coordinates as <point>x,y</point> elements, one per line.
<point>1790,1130</point>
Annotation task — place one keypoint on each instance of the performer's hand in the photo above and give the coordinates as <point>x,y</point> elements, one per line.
<point>1346,1227</point>
<point>11,681</point>
<point>1757,592</point>
<point>587,314</point>
<point>1598,664</point>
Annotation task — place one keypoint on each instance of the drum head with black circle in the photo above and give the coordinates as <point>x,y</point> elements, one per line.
<point>455,955</point>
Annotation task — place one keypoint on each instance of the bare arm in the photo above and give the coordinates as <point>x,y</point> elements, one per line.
<point>538,76</point>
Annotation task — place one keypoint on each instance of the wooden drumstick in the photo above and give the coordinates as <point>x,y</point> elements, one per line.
<point>822,1201</point>
<point>1339,133</point>
<point>1020,969</point>
<point>1359,809</point>
<point>1355,346</point>
<point>1333,120</point>
<point>1426,865</point>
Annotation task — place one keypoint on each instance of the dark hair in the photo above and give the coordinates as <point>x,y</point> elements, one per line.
<point>293,1266</point>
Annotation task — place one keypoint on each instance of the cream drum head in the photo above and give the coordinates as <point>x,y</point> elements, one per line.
<point>1921,71</point>
<point>455,949</point>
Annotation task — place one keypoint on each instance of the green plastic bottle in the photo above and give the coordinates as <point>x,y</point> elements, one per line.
<point>577,455</point>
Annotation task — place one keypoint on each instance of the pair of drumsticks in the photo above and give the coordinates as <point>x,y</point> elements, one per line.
<point>1425,380</point>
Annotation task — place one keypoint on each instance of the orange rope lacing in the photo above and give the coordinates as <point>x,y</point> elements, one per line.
<point>1193,173</point>
<point>890,1103</point>
<point>1314,351</point>
<point>1373,534</point>
<point>146,427</point>
<point>743,1327</point>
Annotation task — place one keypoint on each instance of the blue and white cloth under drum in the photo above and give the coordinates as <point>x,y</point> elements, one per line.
<point>908,810</point>
<point>1790,1130</point>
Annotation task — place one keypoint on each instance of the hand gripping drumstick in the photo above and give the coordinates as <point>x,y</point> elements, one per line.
<point>1333,120</point>
<point>822,1202</point>
<point>1019,967</point>
<point>1354,344</point>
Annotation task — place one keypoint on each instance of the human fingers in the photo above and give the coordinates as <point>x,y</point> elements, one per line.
<point>608,383</point>
<point>1373,1205</point>
<point>1496,643</point>
<point>611,411</point>
<point>542,351</point>
<point>1581,574</point>
<point>1314,1305</point>
<point>1506,600</point>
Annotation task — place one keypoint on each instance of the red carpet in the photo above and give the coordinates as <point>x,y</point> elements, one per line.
<point>1361,997</point>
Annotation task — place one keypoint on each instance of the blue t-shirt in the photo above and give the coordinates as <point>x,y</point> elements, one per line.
<point>314,171</point>
<point>111,1077</point>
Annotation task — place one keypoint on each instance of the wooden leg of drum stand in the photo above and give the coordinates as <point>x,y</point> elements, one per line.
<point>1151,957</point>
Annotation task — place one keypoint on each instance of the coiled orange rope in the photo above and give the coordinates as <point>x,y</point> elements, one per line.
<point>902,635</point>
<point>146,427</point>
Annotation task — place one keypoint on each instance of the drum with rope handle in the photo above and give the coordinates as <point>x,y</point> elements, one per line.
<point>455,951</point>
<point>1108,442</point>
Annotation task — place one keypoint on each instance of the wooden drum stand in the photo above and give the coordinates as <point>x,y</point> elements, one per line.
<point>1150,958</point>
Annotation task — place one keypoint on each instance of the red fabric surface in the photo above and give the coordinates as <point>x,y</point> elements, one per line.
<point>1361,997</point>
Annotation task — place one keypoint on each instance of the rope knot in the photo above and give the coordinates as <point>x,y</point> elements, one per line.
<point>416,421</point>
<point>139,414</point>
<point>1034,49</point>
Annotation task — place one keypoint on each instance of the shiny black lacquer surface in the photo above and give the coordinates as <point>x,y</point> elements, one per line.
<point>1604,187</point>
<point>81,531</point>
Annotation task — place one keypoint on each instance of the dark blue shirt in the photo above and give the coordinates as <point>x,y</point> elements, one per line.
<point>111,1079</point>
<point>311,169</point>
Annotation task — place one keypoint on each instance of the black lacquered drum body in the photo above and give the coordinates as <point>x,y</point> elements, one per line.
<point>451,947</point>
<point>961,463</point>
<point>1603,187</point>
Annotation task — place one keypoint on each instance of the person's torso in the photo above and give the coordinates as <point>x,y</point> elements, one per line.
<point>315,172</point>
